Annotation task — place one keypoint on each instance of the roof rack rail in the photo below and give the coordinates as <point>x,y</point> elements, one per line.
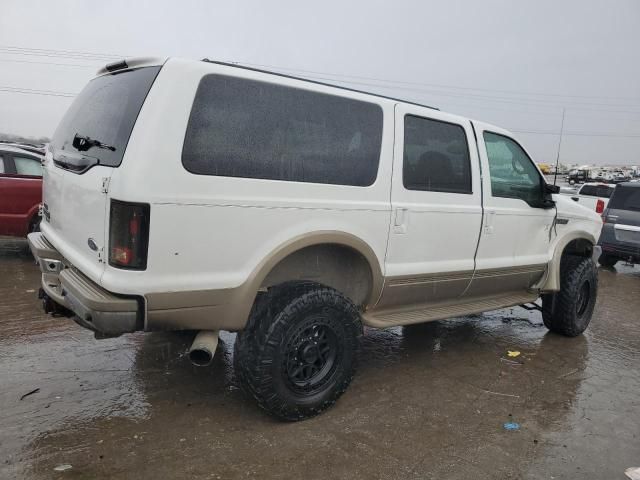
<point>253,69</point>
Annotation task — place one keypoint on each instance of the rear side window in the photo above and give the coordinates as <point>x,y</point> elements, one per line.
<point>106,110</point>
<point>602,191</point>
<point>625,198</point>
<point>245,128</point>
<point>436,156</point>
<point>27,166</point>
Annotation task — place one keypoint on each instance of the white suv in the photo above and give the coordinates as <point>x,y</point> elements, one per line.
<point>197,195</point>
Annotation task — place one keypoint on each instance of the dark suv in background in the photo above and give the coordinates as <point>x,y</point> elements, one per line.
<point>620,238</point>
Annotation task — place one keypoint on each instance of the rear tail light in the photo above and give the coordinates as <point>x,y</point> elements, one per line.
<point>600,206</point>
<point>128,235</point>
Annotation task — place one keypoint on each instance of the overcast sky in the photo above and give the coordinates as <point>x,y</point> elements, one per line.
<point>512,63</point>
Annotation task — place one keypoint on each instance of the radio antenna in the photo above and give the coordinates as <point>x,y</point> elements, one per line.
<point>555,175</point>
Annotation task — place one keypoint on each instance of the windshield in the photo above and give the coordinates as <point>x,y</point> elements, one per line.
<point>625,198</point>
<point>105,111</point>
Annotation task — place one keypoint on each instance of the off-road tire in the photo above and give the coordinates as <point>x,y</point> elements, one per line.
<point>607,260</point>
<point>283,320</point>
<point>568,312</point>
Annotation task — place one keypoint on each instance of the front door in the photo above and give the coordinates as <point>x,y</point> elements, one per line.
<point>436,208</point>
<point>515,242</point>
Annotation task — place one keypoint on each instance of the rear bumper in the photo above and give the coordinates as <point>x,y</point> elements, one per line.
<point>92,306</point>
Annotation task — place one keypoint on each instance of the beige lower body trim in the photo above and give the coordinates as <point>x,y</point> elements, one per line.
<point>416,299</point>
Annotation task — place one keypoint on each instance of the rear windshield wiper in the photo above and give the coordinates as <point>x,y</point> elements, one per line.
<point>82,143</point>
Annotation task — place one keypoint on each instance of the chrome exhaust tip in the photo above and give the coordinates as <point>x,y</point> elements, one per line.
<point>203,348</point>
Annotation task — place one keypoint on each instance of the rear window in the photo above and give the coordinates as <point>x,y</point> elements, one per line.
<point>602,191</point>
<point>625,198</point>
<point>106,111</point>
<point>251,129</point>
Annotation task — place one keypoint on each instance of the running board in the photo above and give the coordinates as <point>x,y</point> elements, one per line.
<point>428,313</point>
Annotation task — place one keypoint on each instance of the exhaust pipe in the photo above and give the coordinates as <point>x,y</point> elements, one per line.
<point>203,348</point>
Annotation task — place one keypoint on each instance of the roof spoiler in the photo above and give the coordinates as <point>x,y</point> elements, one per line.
<point>129,63</point>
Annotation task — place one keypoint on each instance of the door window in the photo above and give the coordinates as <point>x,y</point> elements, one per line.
<point>436,156</point>
<point>1,164</point>
<point>28,166</point>
<point>513,174</point>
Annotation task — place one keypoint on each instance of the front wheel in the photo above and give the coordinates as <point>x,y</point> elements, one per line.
<point>568,312</point>
<point>297,354</point>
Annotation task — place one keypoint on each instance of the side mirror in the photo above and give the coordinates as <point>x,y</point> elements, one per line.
<point>548,188</point>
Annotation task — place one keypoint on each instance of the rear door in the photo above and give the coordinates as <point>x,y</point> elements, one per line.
<point>20,192</point>
<point>88,144</point>
<point>437,208</point>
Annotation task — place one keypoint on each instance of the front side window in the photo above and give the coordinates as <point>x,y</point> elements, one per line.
<point>251,129</point>
<point>436,156</point>
<point>513,174</point>
<point>27,166</point>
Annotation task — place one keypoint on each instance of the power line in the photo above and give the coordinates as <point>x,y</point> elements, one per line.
<point>30,91</point>
<point>477,97</point>
<point>578,134</point>
<point>57,53</point>
<point>47,63</point>
<point>508,92</point>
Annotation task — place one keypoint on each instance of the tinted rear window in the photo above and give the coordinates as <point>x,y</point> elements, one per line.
<point>245,128</point>
<point>436,156</point>
<point>602,191</point>
<point>625,198</point>
<point>105,110</point>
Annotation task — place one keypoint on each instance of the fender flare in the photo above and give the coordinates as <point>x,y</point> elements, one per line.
<point>324,237</point>
<point>551,281</point>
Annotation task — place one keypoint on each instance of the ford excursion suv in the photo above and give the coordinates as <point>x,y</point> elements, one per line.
<point>199,195</point>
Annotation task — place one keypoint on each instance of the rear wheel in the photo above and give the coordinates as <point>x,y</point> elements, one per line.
<point>568,312</point>
<point>607,260</point>
<point>297,354</point>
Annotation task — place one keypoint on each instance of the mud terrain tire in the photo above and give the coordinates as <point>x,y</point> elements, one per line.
<point>297,354</point>
<point>568,312</point>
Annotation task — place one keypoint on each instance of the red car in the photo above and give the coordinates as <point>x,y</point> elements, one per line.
<point>20,191</point>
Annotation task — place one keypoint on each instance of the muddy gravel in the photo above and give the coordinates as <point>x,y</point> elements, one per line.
<point>428,401</point>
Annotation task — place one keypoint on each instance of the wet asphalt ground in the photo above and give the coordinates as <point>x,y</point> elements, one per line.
<point>428,402</point>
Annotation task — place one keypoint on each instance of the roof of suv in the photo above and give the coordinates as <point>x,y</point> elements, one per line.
<point>137,62</point>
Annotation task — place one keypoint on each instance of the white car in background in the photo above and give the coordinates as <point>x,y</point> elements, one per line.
<point>594,196</point>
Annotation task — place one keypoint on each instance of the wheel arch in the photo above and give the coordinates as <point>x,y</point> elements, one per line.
<point>333,258</point>
<point>580,243</point>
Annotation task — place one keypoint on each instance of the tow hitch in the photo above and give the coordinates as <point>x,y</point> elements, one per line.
<point>49,306</point>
